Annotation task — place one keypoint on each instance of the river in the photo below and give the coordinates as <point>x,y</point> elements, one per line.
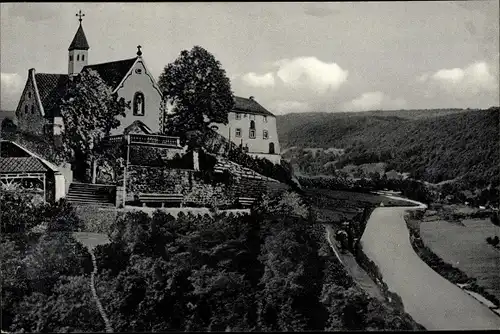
<point>429,298</point>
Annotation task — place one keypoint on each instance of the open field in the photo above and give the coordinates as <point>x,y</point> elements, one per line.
<point>334,205</point>
<point>464,246</point>
<point>91,240</point>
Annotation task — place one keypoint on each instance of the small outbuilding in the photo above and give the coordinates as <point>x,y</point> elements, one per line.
<point>23,170</point>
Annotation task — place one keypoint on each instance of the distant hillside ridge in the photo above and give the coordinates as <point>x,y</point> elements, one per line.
<point>433,147</point>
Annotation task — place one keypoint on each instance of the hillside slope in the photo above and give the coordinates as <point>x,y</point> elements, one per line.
<point>433,147</point>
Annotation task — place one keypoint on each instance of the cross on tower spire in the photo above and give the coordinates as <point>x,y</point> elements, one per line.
<point>80,15</point>
<point>139,52</point>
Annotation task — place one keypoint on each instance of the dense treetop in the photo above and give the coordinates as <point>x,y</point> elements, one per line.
<point>197,87</point>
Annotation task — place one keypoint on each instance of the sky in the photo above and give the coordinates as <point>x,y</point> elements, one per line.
<point>292,57</point>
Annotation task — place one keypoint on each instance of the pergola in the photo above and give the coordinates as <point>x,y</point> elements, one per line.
<point>14,171</point>
<point>8,180</point>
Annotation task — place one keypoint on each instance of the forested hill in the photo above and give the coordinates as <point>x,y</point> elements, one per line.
<point>433,146</point>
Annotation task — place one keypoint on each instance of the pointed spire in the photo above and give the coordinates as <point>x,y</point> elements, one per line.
<point>79,41</point>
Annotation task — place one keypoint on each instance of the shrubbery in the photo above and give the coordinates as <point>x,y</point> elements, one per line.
<point>270,270</point>
<point>206,195</point>
<point>261,271</point>
<point>19,215</point>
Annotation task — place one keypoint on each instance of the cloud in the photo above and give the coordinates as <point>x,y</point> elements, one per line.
<point>11,87</point>
<point>311,73</point>
<point>256,80</point>
<point>285,107</point>
<point>320,10</point>
<point>471,80</point>
<point>374,100</point>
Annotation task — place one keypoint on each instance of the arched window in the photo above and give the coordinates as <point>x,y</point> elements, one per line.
<point>77,57</point>
<point>33,109</point>
<point>271,148</point>
<point>139,103</point>
<point>252,125</point>
<point>83,57</point>
<point>70,57</point>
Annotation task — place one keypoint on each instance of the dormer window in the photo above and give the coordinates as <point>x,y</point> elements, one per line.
<point>139,103</point>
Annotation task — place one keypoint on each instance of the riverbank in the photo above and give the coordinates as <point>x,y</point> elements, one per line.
<point>429,298</point>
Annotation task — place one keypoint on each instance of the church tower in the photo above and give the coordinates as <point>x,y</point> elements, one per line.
<point>78,50</point>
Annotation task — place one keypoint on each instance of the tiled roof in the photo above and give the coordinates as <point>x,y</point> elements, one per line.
<point>79,41</point>
<point>113,72</point>
<point>9,150</point>
<point>250,106</point>
<point>52,88</point>
<point>21,165</point>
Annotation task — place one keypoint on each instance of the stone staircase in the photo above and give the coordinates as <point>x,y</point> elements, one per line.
<point>91,194</point>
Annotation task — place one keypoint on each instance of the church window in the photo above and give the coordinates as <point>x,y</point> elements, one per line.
<point>238,116</point>
<point>252,125</point>
<point>33,109</point>
<point>139,104</point>
<point>77,57</point>
<point>265,134</point>
<point>138,71</point>
<point>29,95</point>
<point>26,109</point>
<point>83,57</point>
<point>238,132</point>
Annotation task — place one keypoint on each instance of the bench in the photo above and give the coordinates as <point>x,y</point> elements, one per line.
<point>246,201</point>
<point>160,198</point>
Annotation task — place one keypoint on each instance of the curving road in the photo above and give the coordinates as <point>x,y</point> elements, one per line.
<point>430,299</point>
